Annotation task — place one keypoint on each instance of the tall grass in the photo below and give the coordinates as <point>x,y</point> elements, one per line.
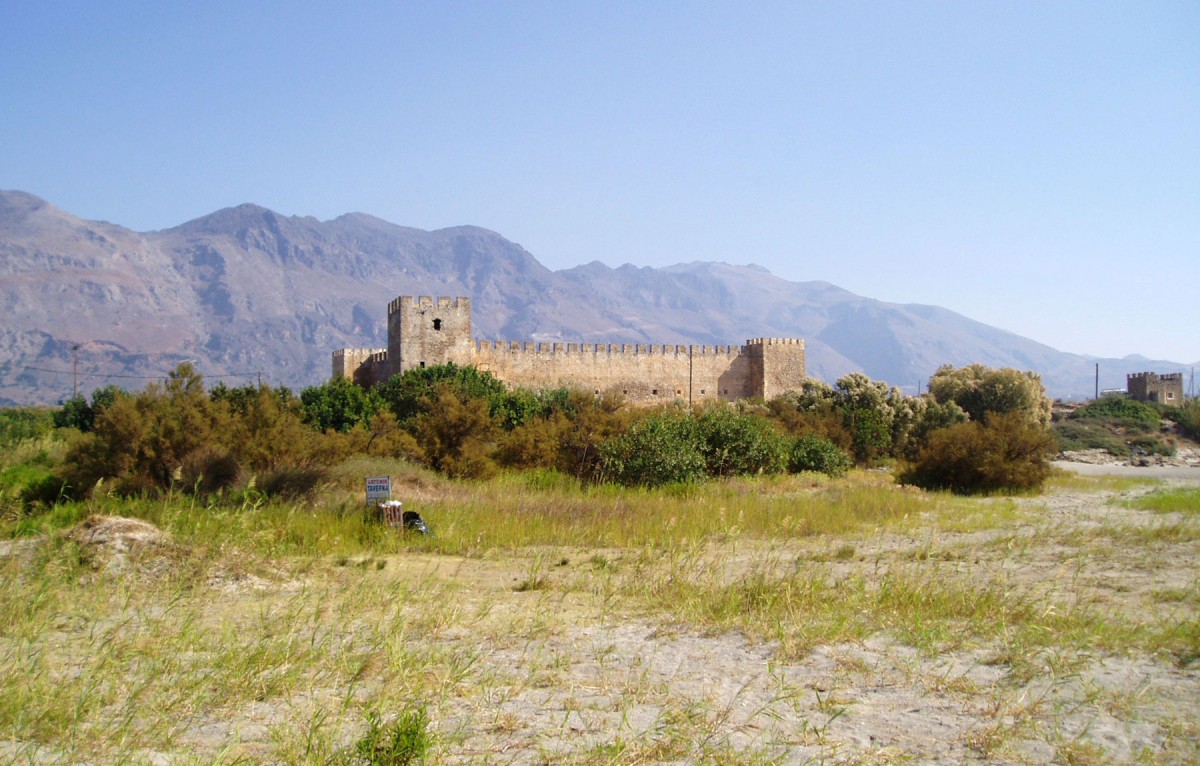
<point>99,667</point>
<point>511,513</point>
<point>517,510</point>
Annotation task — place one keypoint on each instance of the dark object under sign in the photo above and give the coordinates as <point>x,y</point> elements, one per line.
<point>414,523</point>
<point>393,514</point>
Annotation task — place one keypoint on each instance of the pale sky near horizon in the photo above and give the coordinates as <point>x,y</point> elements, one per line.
<point>1033,166</point>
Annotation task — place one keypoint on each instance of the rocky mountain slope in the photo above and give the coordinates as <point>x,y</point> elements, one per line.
<point>246,293</point>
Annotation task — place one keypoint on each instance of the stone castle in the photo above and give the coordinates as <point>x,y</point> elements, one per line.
<point>426,332</point>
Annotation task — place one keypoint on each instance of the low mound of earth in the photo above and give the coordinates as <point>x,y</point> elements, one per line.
<point>108,542</point>
<point>116,534</point>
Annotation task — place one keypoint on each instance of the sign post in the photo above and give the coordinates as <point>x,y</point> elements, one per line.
<point>379,489</point>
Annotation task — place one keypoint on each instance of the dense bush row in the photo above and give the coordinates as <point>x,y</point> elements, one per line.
<point>977,430</point>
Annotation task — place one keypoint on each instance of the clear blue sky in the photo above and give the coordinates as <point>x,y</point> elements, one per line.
<point>1035,166</point>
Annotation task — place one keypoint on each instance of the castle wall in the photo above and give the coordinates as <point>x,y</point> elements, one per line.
<point>425,332</point>
<point>641,373</point>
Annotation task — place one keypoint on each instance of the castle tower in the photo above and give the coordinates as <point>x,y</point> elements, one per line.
<point>777,365</point>
<point>1151,387</point>
<point>423,332</point>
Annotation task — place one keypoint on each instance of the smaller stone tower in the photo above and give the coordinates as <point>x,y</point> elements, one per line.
<point>423,332</point>
<point>1151,387</point>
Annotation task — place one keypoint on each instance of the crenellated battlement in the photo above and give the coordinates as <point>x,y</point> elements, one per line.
<point>611,349</point>
<point>428,302</point>
<point>1152,387</point>
<point>425,331</point>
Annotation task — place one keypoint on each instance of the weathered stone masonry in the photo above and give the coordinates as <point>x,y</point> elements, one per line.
<point>425,332</point>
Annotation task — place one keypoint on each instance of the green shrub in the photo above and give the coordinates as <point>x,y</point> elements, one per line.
<point>455,433</point>
<point>1005,453</point>
<point>592,420</point>
<point>816,453</point>
<point>407,394</point>
<point>175,435</point>
<point>1153,445</point>
<point>338,405</point>
<point>45,491</point>
<point>810,409</point>
<point>209,470</point>
<point>29,484</point>
<point>1187,418</point>
<point>664,448</point>
<point>20,423</point>
<point>75,413</point>
<point>1118,408</point>
<point>1082,434</point>
<point>291,483</point>
<point>980,390</point>
<point>536,443</point>
<point>737,444</point>
<point>78,414</point>
<point>142,440</point>
<point>926,415</point>
<point>264,430</point>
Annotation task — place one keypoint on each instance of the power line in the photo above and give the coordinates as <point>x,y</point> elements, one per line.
<point>138,377</point>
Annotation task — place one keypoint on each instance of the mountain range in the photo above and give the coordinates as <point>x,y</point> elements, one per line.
<point>247,294</point>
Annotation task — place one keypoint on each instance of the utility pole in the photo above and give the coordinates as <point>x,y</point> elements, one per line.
<point>1097,380</point>
<point>75,371</point>
<point>689,376</point>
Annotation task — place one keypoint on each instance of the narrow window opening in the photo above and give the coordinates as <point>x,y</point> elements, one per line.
<point>654,392</point>
<point>437,324</point>
<point>422,365</point>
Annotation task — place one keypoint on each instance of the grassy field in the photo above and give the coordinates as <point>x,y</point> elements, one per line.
<point>785,620</point>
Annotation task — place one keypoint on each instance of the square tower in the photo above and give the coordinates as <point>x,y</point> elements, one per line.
<point>423,332</point>
<point>777,366</point>
<point>1152,387</point>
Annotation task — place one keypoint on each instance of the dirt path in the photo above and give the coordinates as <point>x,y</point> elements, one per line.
<point>1190,474</point>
